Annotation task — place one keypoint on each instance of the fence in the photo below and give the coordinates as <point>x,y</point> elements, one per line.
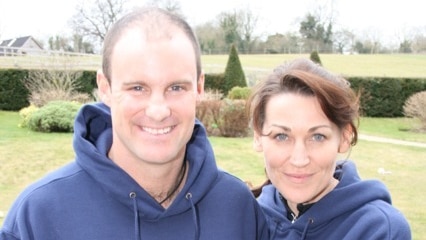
<point>29,58</point>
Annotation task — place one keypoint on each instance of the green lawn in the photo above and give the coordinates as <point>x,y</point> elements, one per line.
<point>26,156</point>
<point>390,65</point>
<point>257,65</point>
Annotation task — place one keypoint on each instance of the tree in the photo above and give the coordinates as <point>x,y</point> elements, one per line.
<point>210,38</point>
<point>59,43</point>
<point>318,35</point>
<point>405,47</point>
<point>94,18</point>
<point>344,41</point>
<point>168,5</point>
<point>58,81</point>
<point>234,74</point>
<point>419,44</point>
<point>229,23</point>
<point>315,57</point>
<point>248,25</point>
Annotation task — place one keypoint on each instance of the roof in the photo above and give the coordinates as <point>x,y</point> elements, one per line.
<point>18,42</point>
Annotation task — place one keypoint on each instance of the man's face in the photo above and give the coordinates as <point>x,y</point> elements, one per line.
<point>152,96</point>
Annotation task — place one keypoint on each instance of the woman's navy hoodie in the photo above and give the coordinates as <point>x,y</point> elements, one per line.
<point>355,209</point>
<point>92,198</point>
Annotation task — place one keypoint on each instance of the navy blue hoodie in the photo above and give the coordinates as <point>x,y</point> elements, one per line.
<point>355,209</point>
<point>92,198</point>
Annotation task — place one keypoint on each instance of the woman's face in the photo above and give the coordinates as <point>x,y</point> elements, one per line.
<point>300,146</point>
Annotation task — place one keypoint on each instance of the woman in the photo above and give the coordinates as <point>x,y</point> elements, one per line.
<point>303,117</point>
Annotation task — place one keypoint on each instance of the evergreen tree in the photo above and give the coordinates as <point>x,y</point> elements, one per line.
<point>234,74</point>
<point>315,57</point>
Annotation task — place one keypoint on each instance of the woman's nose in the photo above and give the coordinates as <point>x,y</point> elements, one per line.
<point>299,154</point>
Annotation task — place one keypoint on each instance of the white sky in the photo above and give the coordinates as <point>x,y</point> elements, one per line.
<point>387,20</point>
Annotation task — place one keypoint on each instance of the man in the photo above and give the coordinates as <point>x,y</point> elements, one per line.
<point>143,169</point>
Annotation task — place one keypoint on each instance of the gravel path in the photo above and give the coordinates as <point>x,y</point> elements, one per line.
<point>392,141</point>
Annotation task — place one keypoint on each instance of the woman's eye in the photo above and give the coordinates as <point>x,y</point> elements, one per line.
<point>318,137</point>
<point>281,137</point>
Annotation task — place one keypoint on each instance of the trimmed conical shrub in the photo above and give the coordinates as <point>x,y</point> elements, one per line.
<point>234,74</point>
<point>315,57</point>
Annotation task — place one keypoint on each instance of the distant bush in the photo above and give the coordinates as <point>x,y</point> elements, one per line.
<point>315,57</point>
<point>239,93</point>
<point>26,114</point>
<point>214,81</point>
<point>56,116</point>
<point>234,73</point>
<point>233,120</point>
<point>208,112</point>
<point>13,93</point>
<point>385,97</point>
<point>415,106</point>
<point>54,85</point>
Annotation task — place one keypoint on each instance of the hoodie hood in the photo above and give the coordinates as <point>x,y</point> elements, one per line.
<point>332,206</point>
<point>92,141</point>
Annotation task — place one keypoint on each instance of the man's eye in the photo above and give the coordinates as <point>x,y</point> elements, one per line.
<point>138,88</point>
<point>176,88</point>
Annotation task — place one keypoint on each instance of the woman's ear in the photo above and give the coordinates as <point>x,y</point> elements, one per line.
<point>257,144</point>
<point>104,89</point>
<point>346,139</point>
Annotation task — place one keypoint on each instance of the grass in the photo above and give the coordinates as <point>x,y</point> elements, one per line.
<point>26,156</point>
<point>378,65</point>
<point>257,65</point>
<point>398,128</point>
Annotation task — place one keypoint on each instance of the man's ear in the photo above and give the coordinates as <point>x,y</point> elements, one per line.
<point>257,143</point>
<point>104,88</point>
<point>346,139</point>
<point>200,87</point>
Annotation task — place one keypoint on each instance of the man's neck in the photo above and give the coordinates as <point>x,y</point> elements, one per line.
<point>161,181</point>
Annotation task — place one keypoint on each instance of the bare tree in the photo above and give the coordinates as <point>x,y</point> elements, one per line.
<point>57,81</point>
<point>211,38</point>
<point>94,17</point>
<point>344,40</point>
<point>169,5</point>
<point>248,25</point>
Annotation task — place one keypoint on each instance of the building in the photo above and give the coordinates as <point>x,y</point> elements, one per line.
<point>20,46</point>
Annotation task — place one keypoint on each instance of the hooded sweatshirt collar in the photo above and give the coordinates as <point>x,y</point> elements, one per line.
<point>330,206</point>
<point>92,141</point>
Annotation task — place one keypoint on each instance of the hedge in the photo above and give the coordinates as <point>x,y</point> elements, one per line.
<point>380,96</point>
<point>14,94</point>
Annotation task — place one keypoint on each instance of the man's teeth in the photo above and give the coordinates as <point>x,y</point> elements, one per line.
<point>157,131</point>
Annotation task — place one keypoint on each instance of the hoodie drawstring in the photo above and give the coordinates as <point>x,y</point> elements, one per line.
<point>188,196</point>
<point>132,195</point>
<point>275,230</point>
<point>305,231</point>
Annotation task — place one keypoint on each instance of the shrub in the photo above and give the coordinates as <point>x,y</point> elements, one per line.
<point>214,81</point>
<point>56,116</point>
<point>415,106</point>
<point>239,93</point>
<point>233,120</point>
<point>54,85</point>
<point>315,57</point>
<point>234,74</point>
<point>25,114</point>
<point>13,93</point>
<point>208,110</point>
